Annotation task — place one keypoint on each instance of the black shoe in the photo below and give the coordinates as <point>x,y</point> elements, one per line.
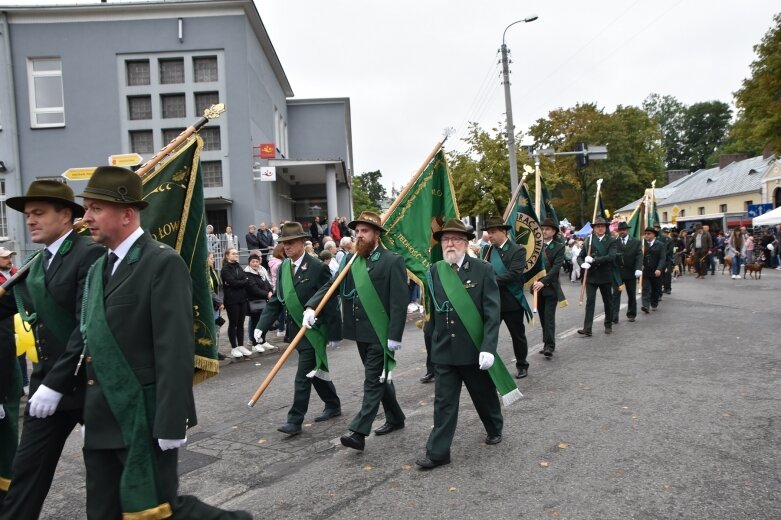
<point>290,429</point>
<point>353,440</point>
<point>493,439</point>
<point>220,356</point>
<point>630,319</point>
<point>608,330</point>
<point>522,372</point>
<point>328,414</point>
<point>585,332</point>
<point>541,351</point>
<point>387,428</point>
<point>668,292</point>
<point>615,320</point>
<point>427,463</point>
<point>644,309</point>
<point>429,377</point>
<point>547,353</point>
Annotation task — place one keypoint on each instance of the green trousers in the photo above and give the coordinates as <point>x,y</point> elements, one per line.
<point>375,392</point>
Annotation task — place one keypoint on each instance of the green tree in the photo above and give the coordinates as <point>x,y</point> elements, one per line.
<point>759,99</point>
<point>361,199</point>
<point>668,112</point>
<point>705,131</point>
<point>370,181</point>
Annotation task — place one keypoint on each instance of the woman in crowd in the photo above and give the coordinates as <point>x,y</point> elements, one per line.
<point>215,283</point>
<point>736,248</point>
<point>235,283</point>
<point>276,259</point>
<point>259,292</point>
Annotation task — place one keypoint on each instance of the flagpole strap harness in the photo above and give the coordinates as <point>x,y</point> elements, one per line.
<point>459,301</point>
<point>375,311</point>
<point>286,294</point>
<point>515,288</point>
<point>131,404</point>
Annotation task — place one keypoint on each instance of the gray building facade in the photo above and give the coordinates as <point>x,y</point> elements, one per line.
<point>80,83</point>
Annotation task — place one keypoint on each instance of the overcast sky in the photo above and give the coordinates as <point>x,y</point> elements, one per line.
<point>413,68</point>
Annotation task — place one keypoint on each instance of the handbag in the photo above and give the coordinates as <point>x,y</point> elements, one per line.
<point>256,306</point>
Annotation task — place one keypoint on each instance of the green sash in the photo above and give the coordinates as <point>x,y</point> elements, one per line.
<point>316,336</point>
<point>516,289</point>
<point>467,312</point>
<point>61,322</point>
<point>131,404</point>
<point>378,317</point>
<point>9,427</point>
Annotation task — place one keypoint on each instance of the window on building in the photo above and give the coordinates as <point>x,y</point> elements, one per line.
<point>747,204</point>
<point>701,210</point>
<point>211,138</point>
<point>205,69</point>
<point>3,213</point>
<point>171,71</point>
<point>169,134</point>
<point>172,105</point>
<point>204,100</point>
<point>139,107</point>
<point>137,72</point>
<point>723,208</point>
<point>47,101</point>
<point>682,213</point>
<point>664,216</point>
<point>212,174</point>
<point>141,141</point>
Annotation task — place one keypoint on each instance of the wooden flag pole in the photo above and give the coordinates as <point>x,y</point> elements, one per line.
<point>591,240</point>
<point>212,112</point>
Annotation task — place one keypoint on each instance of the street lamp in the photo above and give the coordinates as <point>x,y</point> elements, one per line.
<point>509,106</point>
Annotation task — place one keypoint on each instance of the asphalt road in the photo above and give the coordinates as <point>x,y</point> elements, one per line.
<point>674,416</point>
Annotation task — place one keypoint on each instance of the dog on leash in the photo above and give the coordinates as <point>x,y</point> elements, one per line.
<point>676,272</point>
<point>753,270</point>
<point>727,264</point>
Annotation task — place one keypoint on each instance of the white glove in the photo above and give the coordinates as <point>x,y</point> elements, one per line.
<point>2,412</point>
<point>638,273</point>
<point>44,402</point>
<point>486,360</point>
<point>170,444</point>
<point>393,346</point>
<point>770,247</point>
<point>585,265</point>
<point>589,259</point>
<point>258,334</point>
<point>309,318</point>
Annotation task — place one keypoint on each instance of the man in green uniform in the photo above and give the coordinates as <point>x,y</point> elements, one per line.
<point>137,348</point>
<point>549,293</point>
<point>374,311</point>
<point>455,284</point>
<point>49,300</point>
<point>629,258</point>
<point>298,279</point>
<point>509,262</point>
<point>597,258</point>
<point>654,263</point>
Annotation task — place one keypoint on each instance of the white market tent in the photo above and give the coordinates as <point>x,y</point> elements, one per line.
<point>770,218</point>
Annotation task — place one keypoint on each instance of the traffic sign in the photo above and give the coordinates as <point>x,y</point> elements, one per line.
<point>78,174</point>
<point>125,159</point>
<point>755,210</point>
<point>676,211</point>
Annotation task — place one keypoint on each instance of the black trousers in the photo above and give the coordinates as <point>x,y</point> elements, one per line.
<point>701,261</point>
<point>303,386</point>
<point>606,289</point>
<point>630,288</point>
<point>237,312</point>
<point>547,302</point>
<point>447,392</point>
<point>514,322</point>
<point>36,459</point>
<point>429,364</point>
<point>104,471</point>
<point>374,392</point>
<point>652,290</point>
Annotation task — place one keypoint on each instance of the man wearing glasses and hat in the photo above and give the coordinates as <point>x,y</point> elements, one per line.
<point>49,300</point>
<point>374,312</point>
<point>137,348</point>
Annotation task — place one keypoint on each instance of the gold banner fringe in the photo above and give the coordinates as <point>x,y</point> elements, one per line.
<point>4,484</point>
<point>155,513</point>
<point>205,368</point>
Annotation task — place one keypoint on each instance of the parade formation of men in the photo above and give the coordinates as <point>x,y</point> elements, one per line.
<point>113,327</point>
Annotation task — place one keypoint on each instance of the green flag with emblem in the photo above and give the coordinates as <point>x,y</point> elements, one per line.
<point>546,209</point>
<point>526,232</point>
<point>636,221</point>
<point>176,216</point>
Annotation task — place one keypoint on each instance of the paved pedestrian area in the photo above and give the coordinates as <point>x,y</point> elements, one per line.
<point>677,415</point>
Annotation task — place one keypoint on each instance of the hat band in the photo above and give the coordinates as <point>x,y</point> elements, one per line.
<point>117,195</point>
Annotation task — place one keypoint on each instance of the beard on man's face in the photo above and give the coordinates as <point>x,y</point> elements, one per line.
<point>364,248</point>
<point>451,256</point>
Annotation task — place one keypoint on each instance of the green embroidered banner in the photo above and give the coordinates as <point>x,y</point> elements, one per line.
<point>526,232</point>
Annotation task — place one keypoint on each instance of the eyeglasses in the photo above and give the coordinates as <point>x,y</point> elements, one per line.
<point>453,239</point>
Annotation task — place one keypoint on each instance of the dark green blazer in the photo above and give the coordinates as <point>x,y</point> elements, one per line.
<point>148,302</point>
<point>65,280</point>
<point>450,341</point>
<point>655,258</point>
<point>389,277</point>
<point>514,259</point>
<point>629,257</point>
<point>554,258</point>
<point>311,275</point>
<point>601,270</point>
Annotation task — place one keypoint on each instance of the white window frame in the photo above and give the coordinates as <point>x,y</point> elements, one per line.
<point>3,209</point>
<point>34,110</point>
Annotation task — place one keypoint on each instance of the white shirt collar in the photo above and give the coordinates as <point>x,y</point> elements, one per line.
<point>124,247</point>
<point>55,246</point>
<point>297,263</point>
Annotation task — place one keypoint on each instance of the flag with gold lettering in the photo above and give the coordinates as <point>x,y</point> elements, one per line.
<point>526,232</point>
<point>176,216</point>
